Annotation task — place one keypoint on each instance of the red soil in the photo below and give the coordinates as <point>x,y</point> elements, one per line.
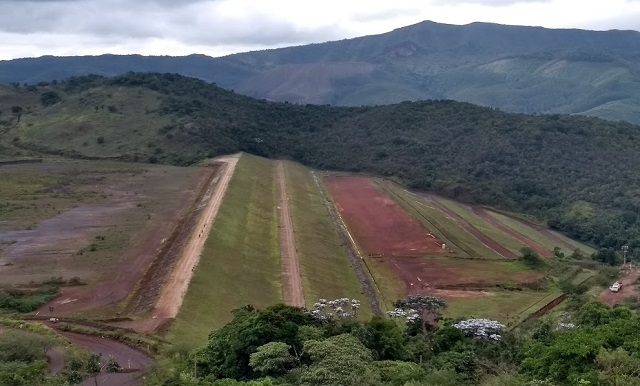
<point>629,289</point>
<point>426,275</point>
<point>377,223</point>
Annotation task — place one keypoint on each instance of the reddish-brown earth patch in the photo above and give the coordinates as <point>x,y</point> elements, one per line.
<point>629,289</point>
<point>377,223</point>
<point>424,275</point>
<point>134,262</point>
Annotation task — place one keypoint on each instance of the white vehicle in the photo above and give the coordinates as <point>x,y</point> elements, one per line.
<point>616,286</point>
<point>54,320</point>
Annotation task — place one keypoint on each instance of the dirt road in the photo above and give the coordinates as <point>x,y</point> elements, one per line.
<point>173,291</point>
<point>629,289</point>
<point>134,362</point>
<point>291,279</point>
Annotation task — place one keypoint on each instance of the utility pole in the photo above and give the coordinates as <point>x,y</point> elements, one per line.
<point>624,248</point>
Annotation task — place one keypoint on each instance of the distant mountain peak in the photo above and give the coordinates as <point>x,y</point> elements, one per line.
<point>514,68</point>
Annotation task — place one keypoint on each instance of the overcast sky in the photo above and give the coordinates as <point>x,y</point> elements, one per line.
<point>31,28</point>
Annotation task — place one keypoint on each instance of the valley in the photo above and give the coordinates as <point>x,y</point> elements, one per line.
<point>163,221</point>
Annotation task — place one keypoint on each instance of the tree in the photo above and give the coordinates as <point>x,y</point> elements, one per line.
<point>228,351</point>
<point>481,329</point>
<point>17,111</point>
<point>339,360</point>
<point>384,338</point>
<point>618,368</point>
<point>24,346</point>
<point>93,367</point>
<point>427,308</point>
<point>272,359</point>
<point>531,259</point>
<point>112,365</point>
<point>49,98</point>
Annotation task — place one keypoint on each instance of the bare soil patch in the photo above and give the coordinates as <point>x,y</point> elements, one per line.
<point>542,251</point>
<point>629,289</point>
<point>58,237</point>
<point>291,279</point>
<point>114,278</point>
<point>378,224</point>
<point>422,275</point>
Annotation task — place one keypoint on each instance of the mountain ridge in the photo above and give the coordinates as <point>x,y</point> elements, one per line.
<point>532,70</point>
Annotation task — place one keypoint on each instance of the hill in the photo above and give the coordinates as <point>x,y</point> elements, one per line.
<point>580,174</point>
<point>517,69</point>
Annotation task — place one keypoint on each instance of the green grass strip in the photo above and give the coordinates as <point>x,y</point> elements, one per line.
<point>240,263</point>
<point>325,268</point>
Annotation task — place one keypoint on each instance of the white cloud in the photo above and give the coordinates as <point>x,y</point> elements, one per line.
<point>217,27</point>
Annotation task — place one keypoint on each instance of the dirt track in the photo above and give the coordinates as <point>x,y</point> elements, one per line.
<point>291,279</point>
<point>134,362</point>
<point>173,291</point>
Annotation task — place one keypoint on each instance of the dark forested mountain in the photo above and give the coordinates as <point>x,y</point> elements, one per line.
<point>517,69</point>
<point>581,174</point>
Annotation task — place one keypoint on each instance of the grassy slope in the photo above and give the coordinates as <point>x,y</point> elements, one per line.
<point>462,210</point>
<point>128,129</point>
<point>586,248</point>
<point>534,235</point>
<point>504,306</point>
<point>326,271</point>
<point>240,263</point>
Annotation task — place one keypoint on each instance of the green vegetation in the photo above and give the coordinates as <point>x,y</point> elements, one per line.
<point>241,258</point>
<point>480,155</point>
<point>505,306</point>
<point>482,225</point>
<point>325,268</point>
<point>23,357</point>
<point>548,242</point>
<point>590,344</point>
<point>26,300</point>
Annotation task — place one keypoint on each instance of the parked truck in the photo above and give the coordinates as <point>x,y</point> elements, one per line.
<point>616,286</point>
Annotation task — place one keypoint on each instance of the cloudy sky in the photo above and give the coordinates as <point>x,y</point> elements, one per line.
<point>218,27</point>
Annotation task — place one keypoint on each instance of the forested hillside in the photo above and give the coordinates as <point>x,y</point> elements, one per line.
<point>581,174</point>
<point>517,69</point>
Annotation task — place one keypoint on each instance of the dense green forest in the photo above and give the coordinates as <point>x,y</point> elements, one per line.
<point>591,345</point>
<point>580,174</point>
